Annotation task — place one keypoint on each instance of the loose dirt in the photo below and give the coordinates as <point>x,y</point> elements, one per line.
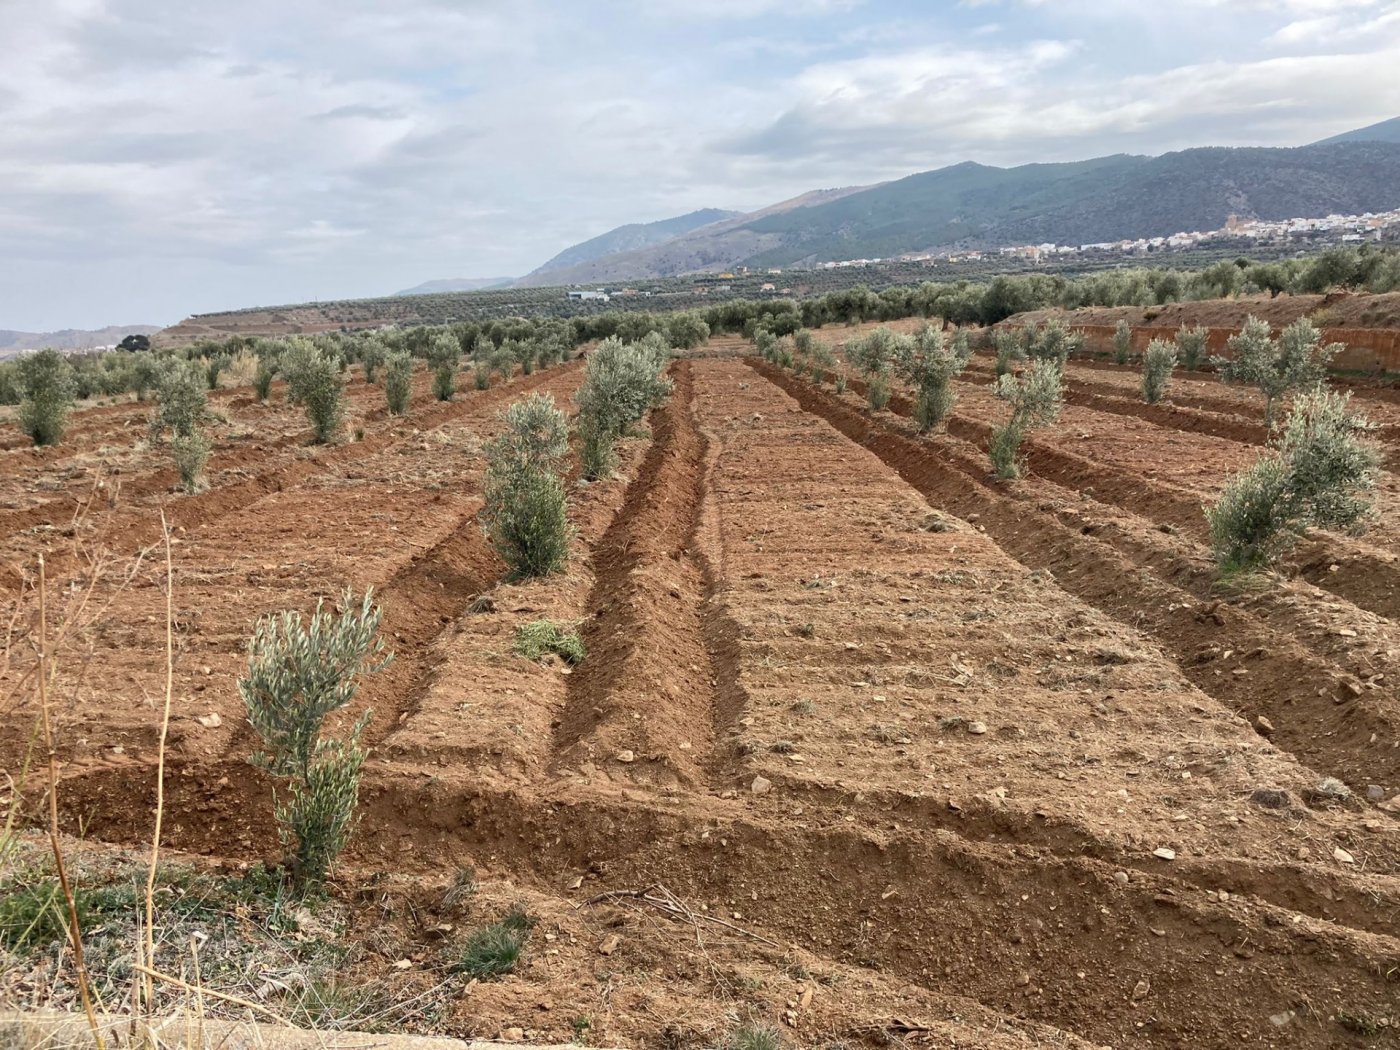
<point>925,759</point>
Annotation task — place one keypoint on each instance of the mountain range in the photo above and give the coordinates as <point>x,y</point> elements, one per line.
<point>12,343</point>
<point>976,206</point>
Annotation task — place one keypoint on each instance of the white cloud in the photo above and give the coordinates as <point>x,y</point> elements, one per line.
<point>161,158</point>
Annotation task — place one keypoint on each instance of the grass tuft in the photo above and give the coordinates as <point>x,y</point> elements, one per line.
<point>536,639</point>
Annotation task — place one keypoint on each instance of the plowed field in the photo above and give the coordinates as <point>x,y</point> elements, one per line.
<point>927,759</point>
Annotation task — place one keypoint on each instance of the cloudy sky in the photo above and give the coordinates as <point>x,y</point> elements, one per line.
<point>160,159</point>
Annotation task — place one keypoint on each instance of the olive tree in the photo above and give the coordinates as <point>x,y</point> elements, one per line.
<point>300,671</point>
<point>929,364</point>
<point>1036,397</point>
<point>526,511</point>
<point>1191,345</point>
<point>1157,365</point>
<point>47,387</point>
<point>444,356</point>
<point>1295,360</point>
<point>621,383</point>
<point>1317,472</point>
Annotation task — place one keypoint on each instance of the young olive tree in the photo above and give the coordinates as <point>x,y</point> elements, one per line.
<point>526,512</point>
<point>874,356</point>
<point>398,381</point>
<point>929,364</point>
<point>299,672</point>
<point>1122,341</point>
<point>686,330</point>
<point>1191,345</point>
<point>181,411</point>
<point>372,355</point>
<point>315,382</point>
<point>1010,347</point>
<point>1036,397</point>
<point>1317,473</point>
<point>444,356</point>
<point>1054,341</point>
<point>1295,360</point>
<point>1157,365</point>
<point>621,383</point>
<point>47,387</point>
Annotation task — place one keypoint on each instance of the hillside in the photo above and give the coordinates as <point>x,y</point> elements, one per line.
<point>1385,131</point>
<point>70,338</point>
<point>977,206</point>
<point>630,238</point>
<point>457,284</point>
<point>1106,199</point>
<point>710,248</point>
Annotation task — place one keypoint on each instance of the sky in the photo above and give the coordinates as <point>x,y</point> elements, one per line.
<point>160,159</point>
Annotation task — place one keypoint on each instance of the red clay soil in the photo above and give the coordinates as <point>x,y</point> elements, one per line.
<point>931,765</point>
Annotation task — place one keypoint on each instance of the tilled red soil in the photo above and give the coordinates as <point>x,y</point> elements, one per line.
<point>956,763</point>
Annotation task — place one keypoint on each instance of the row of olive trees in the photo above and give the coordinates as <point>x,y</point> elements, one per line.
<point>302,670</point>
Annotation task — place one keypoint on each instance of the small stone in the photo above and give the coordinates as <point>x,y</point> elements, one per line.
<point>1120,877</point>
<point>211,720</point>
<point>626,756</point>
<point>1263,726</point>
<point>1140,990</point>
<point>610,945</point>
<point>403,964</point>
<point>1342,856</point>
<point>1162,853</point>
<point>512,1035</point>
<point>976,728</point>
<point>761,785</point>
<point>1374,792</point>
<point>1281,1020</point>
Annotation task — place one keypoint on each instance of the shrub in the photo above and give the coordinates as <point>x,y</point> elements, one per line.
<point>1035,397</point>
<point>1157,365</point>
<point>372,355</point>
<point>315,382</point>
<point>299,673</point>
<point>481,374</point>
<point>46,381</point>
<point>803,340</point>
<point>766,343</point>
<point>929,365</point>
<point>1315,474</point>
<point>398,381</point>
<point>621,383</point>
<point>1122,341</point>
<point>526,513</point>
<point>444,355</point>
<point>533,640</point>
<point>1191,345</point>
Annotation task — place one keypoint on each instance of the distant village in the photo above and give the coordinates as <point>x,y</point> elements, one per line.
<point>1331,229</point>
<point>1343,229</point>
